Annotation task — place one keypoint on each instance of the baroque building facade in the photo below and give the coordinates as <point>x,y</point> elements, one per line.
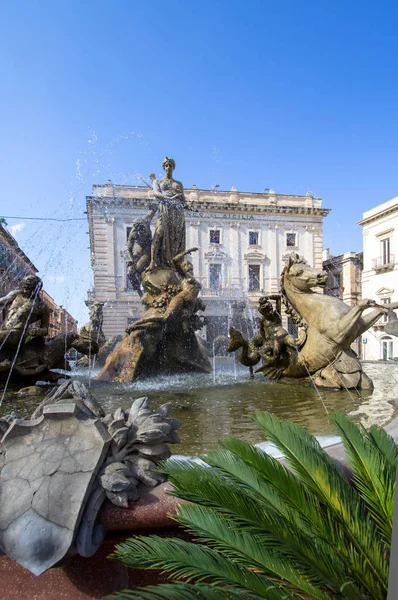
<point>380,274</point>
<point>242,240</point>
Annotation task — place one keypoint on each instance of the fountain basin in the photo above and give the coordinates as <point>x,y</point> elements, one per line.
<point>209,410</point>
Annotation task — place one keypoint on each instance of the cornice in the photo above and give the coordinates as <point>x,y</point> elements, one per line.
<point>226,209</point>
<point>379,215</point>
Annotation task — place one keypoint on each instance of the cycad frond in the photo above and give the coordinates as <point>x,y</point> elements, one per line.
<point>385,444</point>
<point>265,531</point>
<point>198,591</point>
<point>317,470</point>
<point>262,473</point>
<point>374,475</point>
<point>254,550</point>
<point>273,472</point>
<point>250,510</point>
<point>188,561</point>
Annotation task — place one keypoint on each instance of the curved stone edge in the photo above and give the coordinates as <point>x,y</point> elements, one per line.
<point>156,508</point>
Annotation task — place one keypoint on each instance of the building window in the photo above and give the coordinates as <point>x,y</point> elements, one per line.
<point>253,238</point>
<point>215,236</point>
<point>336,280</point>
<point>292,327</point>
<point>384,318</point>
<point>254,278</point>
<point>291,240</point>
<point>129,285</point>
<point>215,276</point>
<point>387,348</point>
<point>385,251</point>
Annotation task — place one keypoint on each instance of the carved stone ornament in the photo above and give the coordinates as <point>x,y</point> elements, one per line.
<point>49,467</point>
<point>58,468</point>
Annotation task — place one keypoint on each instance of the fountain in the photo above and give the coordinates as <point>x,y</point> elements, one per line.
<point>164,339</point>
<point>91,455</point>
<point>327,328</point>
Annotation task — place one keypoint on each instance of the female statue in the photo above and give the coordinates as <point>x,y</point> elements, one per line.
<point>169,235</point>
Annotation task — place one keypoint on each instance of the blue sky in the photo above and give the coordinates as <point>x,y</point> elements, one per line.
<point>289,95</point>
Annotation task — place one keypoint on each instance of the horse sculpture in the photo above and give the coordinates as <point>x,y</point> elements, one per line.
<point>327,328</point>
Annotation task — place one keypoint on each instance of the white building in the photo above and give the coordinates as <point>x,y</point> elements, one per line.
<point>380,274</point>
<point>242,238</point>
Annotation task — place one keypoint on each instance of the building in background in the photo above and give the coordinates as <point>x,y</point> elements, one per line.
<point>345,280</point>
<point>380,274</point>
<point>14,266</point>
<point>61,321</point>
<point>345,276</point>
<point>243,239</point>
<point>68,324</point>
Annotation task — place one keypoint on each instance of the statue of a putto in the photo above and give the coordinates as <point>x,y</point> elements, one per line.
<point>327,328</point>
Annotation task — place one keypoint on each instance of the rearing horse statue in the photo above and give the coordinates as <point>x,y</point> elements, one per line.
<point>328,328</point>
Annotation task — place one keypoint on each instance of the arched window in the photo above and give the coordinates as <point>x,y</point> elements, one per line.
<point>387,348</point>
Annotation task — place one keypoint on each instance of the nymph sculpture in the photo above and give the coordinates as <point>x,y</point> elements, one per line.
<point>163,340</point>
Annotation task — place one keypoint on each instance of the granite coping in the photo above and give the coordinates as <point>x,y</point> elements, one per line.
<point>155,508</point>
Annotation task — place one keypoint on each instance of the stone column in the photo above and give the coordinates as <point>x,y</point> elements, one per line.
<point>318,246</point>
<point>274,255</point>
<point>235,254</point>
<point>194,243</point>
<point>111,270</point>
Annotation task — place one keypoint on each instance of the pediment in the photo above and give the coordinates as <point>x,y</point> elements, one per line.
<point>255,255</point>
<point>216,254</point>
<point>384,292</point>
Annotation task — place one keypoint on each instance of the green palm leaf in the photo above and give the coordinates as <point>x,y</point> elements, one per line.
<point>198,591</point>
<point>250,510</point>
<point>188,561</point>
<point>317,470</point>
<point>267,531</point>
<point>385,444</point>
<point>374,475</point>
<point>256,551</point>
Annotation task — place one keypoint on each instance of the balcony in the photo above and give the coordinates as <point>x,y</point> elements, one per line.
<point>383,263</point>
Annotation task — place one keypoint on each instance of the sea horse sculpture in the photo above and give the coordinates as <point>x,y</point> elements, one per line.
<point>328,328</point>
<point>271,344</point>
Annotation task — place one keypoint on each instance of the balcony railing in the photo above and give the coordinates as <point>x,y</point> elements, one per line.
<point>383,262</point>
